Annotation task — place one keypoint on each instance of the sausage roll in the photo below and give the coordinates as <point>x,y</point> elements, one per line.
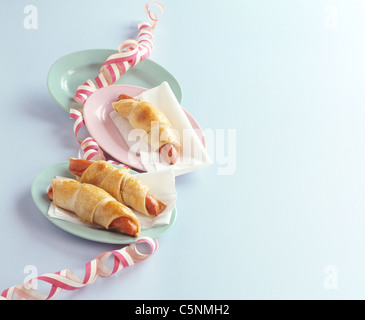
<point>93,205</point>
<point>122,185</point>
<point>144,115</point>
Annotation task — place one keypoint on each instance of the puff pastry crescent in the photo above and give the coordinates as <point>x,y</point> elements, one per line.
<point>119,183</point>
<point>93,204</point>
<point>145,115</point>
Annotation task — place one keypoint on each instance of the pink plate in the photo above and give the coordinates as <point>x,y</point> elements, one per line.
<point>103,130</point>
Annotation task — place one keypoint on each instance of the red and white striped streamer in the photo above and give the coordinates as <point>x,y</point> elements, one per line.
<point>131,52</point>
<point>67,280</point>
<point>152,14</point>
<point>88,146</point>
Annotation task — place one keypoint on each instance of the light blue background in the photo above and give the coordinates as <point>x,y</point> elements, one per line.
<point>281,73</point>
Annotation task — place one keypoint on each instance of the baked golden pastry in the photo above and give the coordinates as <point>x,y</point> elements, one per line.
<point>145,115</point>
<point>93,205</point>
<point>119,183</point>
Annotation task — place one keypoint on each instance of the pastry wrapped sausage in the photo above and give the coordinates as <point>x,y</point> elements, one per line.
<point>93,205</point>
<point>119,183</point>
<point>142,115</point>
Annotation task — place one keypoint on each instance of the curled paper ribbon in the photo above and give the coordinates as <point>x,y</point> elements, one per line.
<point>67,280</point>
<point>88,146</point>
<point>131,52</point>
<point>79,122</point>
<point>151,14</point>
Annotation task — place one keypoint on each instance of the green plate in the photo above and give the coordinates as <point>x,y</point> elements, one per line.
<point>39,194</point>
<point>74,69</point>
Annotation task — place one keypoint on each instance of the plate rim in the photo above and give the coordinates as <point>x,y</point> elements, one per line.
<point>67,225</point>
<point>50,73</point>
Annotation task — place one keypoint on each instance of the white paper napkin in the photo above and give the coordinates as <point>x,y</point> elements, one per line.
<point>162,186</point>
<point>194,154</point>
